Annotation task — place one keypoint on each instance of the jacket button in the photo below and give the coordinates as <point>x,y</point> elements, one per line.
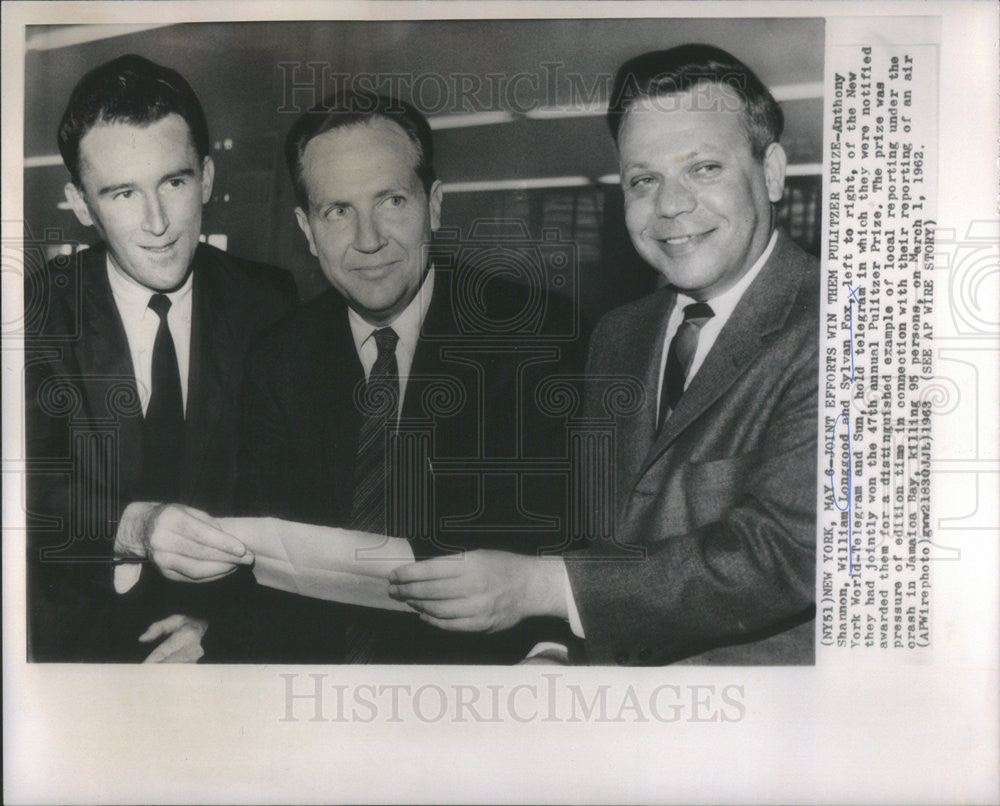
<point>644,654</point>
<point>621,658</point>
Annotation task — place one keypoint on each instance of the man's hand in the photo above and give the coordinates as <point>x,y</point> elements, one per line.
<point>187,544</point>
<point>183,641</point>
<point>480,591</point>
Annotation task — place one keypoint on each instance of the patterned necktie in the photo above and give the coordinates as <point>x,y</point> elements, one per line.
<point>379,407</point>
<point>680,355</point>
<point>163,425</point>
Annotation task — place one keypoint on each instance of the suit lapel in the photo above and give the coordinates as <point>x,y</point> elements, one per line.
<point>337,371</point>
<point>104,360</point>
<point>762,310</point>
<point>210,368</point>
<point>640,359</point>
<point>427,363</point>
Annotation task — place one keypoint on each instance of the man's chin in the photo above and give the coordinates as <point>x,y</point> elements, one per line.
<point>166,278</point>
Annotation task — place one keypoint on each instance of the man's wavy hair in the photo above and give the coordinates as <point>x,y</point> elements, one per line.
<point>668,72</point>
<point>349,108</point>
<point>133,90</point>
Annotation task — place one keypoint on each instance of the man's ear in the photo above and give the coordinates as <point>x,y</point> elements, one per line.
<point>434,201</point>
<point>303,219</point>
<point>75,198</point>
<point>775,162</point>
<point>207,178</point>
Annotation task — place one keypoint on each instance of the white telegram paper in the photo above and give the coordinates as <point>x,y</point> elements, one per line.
<point>340,565</point>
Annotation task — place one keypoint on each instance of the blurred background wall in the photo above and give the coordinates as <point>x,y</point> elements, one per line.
<point>521,143</point>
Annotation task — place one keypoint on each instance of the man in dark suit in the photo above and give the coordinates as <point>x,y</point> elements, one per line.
<point>712,554</point>
<point>402,401</point>
<point>132,375</point>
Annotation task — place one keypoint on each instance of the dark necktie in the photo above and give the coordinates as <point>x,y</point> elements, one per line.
<point>368,502</point>
<point>680,355</point>
<point>378,416</point>
<point>163,426</point>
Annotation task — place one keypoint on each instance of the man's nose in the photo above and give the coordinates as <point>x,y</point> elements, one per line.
<point>367,237</point>
<point>155,219</point>
<point>674,198</point>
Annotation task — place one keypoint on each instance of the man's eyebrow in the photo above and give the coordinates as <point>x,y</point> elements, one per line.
<point>704,148</point>
<point>324,202</point>
<point>182,173</point>
<point>104,191</point>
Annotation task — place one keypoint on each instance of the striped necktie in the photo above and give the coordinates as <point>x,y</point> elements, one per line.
<point>368,501</point>
<point>680,355</point>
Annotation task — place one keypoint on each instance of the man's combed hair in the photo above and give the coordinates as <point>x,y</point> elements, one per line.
<point>351,108</point>
<point>133,90</point>
<point>667,72</point>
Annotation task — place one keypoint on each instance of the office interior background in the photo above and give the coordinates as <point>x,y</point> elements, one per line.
<point>521,145</point>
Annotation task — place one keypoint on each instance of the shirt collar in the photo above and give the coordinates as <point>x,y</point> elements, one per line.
<point>726,302</point>
<point>407,325</point>
<point>132,298</point>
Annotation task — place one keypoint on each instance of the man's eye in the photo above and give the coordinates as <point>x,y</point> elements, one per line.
<point>336,212</point>
<point>396,200</point>
<point>177,182</point>
<point>640,182</point>
<point>707,170</point>
<point>123,194</point>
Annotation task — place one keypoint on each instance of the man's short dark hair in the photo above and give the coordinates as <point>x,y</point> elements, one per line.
<point>667,72</point>
<point>352,107</point>
<point>129,89</point>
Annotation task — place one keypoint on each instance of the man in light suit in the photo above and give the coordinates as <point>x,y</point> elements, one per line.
<point>712,555</point>
<point>457,357</point>
<point>132,373</point>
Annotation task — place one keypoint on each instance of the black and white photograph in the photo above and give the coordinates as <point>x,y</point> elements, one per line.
<point>406,401</point>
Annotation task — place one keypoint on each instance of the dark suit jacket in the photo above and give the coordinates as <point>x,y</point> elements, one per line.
<point>473,426</point>
<point>713,545</point>
<point>84,442</point>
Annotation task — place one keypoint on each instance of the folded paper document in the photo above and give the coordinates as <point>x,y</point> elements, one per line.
<point>340,565</point>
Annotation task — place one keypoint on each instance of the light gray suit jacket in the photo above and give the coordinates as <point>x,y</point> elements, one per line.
<point>712,554</point>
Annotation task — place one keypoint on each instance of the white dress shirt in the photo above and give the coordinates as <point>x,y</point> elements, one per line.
<point>141,324</point>
<point>722,307</point>
<point>407,327</point>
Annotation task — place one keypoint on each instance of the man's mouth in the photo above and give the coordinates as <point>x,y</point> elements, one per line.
<point>160,250</point>
<point>681,242</point>
<point>376,268</point>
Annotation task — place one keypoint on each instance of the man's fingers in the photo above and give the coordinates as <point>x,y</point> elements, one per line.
<point>160,653</point>
<point>456,625</point>
<point>209,535</point>
<point>449,609</point>
<point>179,568</point>
<point>160,628</point>
<point>187,547</point>
<point>452,588</point>
<point>198,528</point>
<point>184,646</point>
<point>439,568</point>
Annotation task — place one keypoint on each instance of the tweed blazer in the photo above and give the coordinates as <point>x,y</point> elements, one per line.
<point>711,555</point>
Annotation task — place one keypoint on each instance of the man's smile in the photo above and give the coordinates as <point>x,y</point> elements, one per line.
<point>161,250</point>
<point>376,269</point>
<point>677,245</point>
